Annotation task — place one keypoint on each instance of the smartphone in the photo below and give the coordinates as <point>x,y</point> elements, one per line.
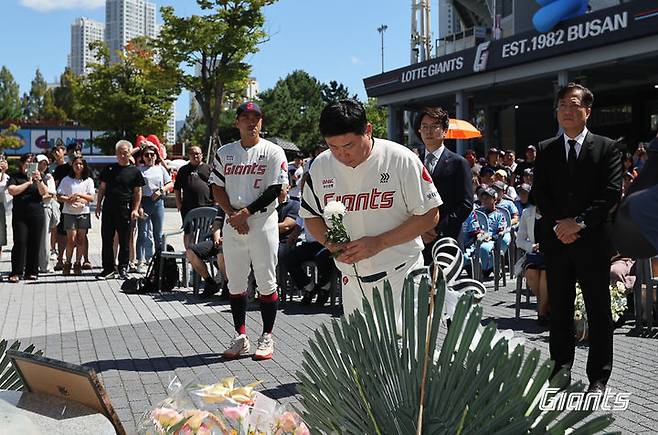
<point>31,169</point>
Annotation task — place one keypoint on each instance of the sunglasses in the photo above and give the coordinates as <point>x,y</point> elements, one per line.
<point>149,154</point>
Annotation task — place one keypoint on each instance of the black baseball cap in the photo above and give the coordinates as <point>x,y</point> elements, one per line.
<point>486,170</point>
<point>249,106</point>
<point>531,147</point>
<point>499,185</point>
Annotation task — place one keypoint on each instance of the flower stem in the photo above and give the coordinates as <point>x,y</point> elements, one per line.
<point>358,280</point>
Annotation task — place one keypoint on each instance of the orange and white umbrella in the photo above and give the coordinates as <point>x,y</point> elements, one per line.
<point>460,129</point>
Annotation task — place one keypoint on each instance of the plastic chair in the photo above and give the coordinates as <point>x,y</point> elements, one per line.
<point>476,266</point>
<point>519,288</point>
<point>499,255</point>
<point>199,222</point>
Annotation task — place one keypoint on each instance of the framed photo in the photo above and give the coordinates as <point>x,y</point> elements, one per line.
<point>67,381</point>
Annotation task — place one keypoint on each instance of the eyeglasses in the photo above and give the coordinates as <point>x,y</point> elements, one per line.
<point>149,154</point>
<point>569,107</point>
<point>429,126</point>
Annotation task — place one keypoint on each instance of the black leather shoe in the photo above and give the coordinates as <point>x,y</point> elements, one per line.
<point>596,387</point>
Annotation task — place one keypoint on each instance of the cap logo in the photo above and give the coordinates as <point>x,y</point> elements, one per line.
<point>250,106</point>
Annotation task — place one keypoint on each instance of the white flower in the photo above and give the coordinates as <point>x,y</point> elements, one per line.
<point>334,209</point>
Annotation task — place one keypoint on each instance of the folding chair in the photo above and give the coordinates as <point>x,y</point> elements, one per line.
<point>199,222</point>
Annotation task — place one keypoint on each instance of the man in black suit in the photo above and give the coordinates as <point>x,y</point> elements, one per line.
<point>451,174</point>
<point>575,208</point>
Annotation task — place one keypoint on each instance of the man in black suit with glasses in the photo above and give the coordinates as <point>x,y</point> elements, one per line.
<point>575,208</point>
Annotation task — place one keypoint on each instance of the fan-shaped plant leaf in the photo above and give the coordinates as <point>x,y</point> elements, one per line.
<point>9,378</point>
<point>365,376</point>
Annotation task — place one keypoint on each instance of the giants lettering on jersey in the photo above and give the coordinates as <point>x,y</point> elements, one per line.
<point>242,169</point>
<point>363,201</point>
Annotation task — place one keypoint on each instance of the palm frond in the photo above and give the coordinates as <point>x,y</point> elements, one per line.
<point>9,378</point>
<point>363,376</point>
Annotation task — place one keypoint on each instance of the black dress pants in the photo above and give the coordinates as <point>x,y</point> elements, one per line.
<point>116,219</point>
<point>590,266</point>
<point>28,226</point>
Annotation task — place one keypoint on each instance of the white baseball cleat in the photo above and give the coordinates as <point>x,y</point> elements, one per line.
<point>239,346</point>
<point>265,347</point>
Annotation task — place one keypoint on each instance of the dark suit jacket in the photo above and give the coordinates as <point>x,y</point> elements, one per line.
<point>591,193</point>
<point>452,178</point>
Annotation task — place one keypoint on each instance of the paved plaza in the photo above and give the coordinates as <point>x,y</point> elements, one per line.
<point>138,343</point>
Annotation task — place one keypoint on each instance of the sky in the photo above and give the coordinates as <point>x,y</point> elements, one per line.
<point>329,39</point>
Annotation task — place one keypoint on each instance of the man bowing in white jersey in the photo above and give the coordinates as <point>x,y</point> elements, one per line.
<point>390,200</point>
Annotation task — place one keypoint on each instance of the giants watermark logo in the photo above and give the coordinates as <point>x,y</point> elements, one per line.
<point>242,169</point>
<point>372,200</point>
<point>555,400</point>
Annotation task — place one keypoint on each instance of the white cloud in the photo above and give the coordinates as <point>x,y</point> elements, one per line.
<point>51,5</point>
<point>355,60</point>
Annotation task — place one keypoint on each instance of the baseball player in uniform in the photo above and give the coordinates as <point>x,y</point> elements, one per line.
<point>390,200</point>
<point>246,180</point>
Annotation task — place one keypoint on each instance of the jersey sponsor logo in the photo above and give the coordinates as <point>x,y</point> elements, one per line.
<point>242,169</point>
<point>384,177</point>
<point>328,183</point>
<point>426,175</point>
<point>229,158</point>
<point>345,280</point>
<point>373,200</point>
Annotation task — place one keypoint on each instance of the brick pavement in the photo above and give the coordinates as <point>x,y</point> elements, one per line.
<point>139,342</point>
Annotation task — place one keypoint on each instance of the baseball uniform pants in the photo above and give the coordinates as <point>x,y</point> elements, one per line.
<point>259,248</point>
<point>352,293</point>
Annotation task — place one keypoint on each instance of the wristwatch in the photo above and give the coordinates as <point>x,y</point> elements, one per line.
<point>581,222</point>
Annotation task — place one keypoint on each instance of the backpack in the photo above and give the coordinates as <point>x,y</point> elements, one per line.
<point>170,275</point>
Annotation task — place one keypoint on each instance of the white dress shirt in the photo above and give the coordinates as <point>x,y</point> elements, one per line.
<point>579,142</point>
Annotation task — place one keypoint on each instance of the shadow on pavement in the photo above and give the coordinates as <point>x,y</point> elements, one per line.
<point>157,364</point>
<point>281,391</point>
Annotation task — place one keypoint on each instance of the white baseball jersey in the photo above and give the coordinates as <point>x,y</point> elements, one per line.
<point>380,194</point>
<point>245,173</point>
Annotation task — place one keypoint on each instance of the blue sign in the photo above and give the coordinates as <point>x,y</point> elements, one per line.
<point>555,11</point>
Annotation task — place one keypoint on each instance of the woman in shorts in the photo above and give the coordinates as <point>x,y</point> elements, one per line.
<point>76,191</point>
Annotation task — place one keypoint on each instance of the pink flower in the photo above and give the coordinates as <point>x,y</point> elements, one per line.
<point>302,429</point>
<point>166,416</point>
<point>288,421</point>
<point>236,413</point>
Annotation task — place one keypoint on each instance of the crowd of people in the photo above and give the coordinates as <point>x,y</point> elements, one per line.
<point>269,212</point>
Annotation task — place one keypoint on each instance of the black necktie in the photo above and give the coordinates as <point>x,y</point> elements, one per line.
<point>571,161</point>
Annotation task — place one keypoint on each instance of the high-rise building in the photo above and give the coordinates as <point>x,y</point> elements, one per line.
<point>170,132</point>
<point>126,20</point>
<point>84,31</point>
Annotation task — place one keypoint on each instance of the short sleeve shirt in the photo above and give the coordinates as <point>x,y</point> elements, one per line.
<point>29,200</point>
<point>120,182</point>
<point>155,177</point>
<point>245,173</point>
<point>61,171</point>
<point>289,209</point>
<point>192,181</point>
<point>69,186</point>
<point>381,193</point>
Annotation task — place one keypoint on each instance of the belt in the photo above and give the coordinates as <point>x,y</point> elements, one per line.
<point>377,276</point>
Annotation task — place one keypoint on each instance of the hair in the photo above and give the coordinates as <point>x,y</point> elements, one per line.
<point>437,113</point>
<point>511,152</point>
<point>26,156</point>
<point>85,168</point>
<point>123,142</point>
<point>471,151</point>
<point>189,149</point>
<point>343,117</point>
<point>586,96</point>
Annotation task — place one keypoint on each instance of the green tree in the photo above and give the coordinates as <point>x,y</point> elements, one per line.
<point>215,46</point>
<point>34,102</point>
<point>10,101</point>
<point>132,96</point>
<point>378,117</point>
<point>65,93</point>
<point>50,110</point>
<point>292,109</point>
<point>9,138</point>
<point>335,91</point>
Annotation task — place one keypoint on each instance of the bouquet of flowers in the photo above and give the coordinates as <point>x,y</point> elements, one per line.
<point>618,305</point>
<point>220,408</point>
<point>333,214</point>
